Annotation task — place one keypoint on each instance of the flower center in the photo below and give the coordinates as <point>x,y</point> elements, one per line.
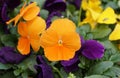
<point>60,42</point>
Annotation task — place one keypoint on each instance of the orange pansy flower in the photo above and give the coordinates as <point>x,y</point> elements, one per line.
<point>60,41</point>
<point>30,35</point>
<point>27,12</point>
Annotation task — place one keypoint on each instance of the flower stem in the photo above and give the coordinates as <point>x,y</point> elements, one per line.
<point>56,70</point>
<point>79,16</point>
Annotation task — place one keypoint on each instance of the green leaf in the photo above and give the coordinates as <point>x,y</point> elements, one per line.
<point>5,66</point>
<point>44,13</point>
<point>64,74</point>
<point>25,74</point>
<point>17,72</point>
<point>28,63</point>
<point>40,2</point>
<point>9,40</point>
<point>8,74</point>
<point>101,31</point>
<point>115,58</point>
<point>112,4</point>
<point>71,8</point>
<point>113,72</point>
<point>84,29</point>
<point>96,76</point>
<point>118,3</point>
<point>100,68</point>
<point>71,75</point>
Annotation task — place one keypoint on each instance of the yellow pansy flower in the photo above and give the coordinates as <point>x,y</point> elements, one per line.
<point>93,9</point>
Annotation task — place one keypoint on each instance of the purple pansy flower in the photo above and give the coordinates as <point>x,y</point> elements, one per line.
<point>8,55</point>
<point>55,5</point>
<point>91,49</point>
<point>44,70</point>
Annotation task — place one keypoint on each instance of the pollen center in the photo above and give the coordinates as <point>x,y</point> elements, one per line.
<point>60,42</point>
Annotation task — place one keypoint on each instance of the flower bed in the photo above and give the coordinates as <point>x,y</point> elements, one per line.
<point>59,39</point>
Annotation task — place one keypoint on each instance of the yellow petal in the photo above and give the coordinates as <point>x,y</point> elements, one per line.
<point>31,13</point>
<point>22,29</point>
<point>56,53</point>
<point>63,24</point>
<point>23,46</point>
<point>35,42</point>
<point>84,4</point>
<point>89,19</point>
<point>107,17</point>
<point>115,35</point>
<point>94,14</point>
<point>36,26</point>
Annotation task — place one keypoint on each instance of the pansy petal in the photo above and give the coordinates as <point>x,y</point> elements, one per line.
<point>36,26</point>
<point>107,17</point>
<point>24,9</point>
<point>57,53</point>
<point>31,13</point>
<point>115,35</point>
<point>71,43</point>
<point>43,70</point>
<point>4,13</point>
<point>61,25</point>
<point>72,64</point>
<point>48,38</point>
<point>23,46</point>
<point>93,49</point>
<point>35,42</point>
<point>8,55</point>
<point>22,29</point>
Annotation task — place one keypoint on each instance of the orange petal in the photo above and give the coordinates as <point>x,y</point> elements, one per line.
<point>22,29</point>
<point>35,42</point>
<point>11,20</point>
<point>15,19</point>
<point>31,13</point>
<point>36,26</point>
<point>57,53</point>
<point>72,41</point>
<point>25,9</point>
<point>49,38</point>
<point>23,46</point>
<point>61,25</point>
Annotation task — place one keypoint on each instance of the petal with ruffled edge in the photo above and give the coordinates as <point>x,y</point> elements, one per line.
<point>92,49</point>
<point>23,46</point>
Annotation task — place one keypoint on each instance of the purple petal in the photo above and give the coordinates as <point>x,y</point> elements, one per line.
<point>72,64</point>
<point>93,49</point>
<point>55,5</point>
<point>4,13</point>
<point>44,70</point>
<point>8,55</point>
<point>40,60</point>
<point>77,3</point>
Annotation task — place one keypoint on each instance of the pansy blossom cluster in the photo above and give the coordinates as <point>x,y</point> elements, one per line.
<point>59,39</point>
